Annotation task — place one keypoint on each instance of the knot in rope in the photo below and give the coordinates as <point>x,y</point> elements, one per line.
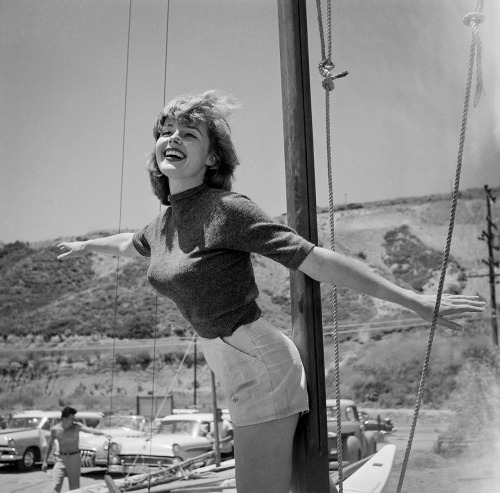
<point>476,17</point>
<point>325,67</point>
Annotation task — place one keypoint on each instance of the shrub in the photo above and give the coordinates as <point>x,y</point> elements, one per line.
<point>122,361</point>
<point>143,359</point>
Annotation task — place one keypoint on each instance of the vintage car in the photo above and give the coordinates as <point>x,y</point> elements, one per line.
<point>179,437</point>
<point>357,443</point>
<point>95,449</point>
<point>378,424</point>
<point>21,440</point>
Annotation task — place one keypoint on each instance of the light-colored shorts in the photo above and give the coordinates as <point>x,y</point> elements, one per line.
<point>260,372</point>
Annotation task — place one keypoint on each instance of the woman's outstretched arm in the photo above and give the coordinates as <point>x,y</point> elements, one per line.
<point>118,245</point>
<point>326,266</point>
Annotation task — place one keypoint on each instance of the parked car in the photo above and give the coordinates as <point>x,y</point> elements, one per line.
<point>179,437</point>
<point>357,442</point>
<point>382,425</point>
<point>94,448</point>
<point>20,442</point>
<point>186,410</point>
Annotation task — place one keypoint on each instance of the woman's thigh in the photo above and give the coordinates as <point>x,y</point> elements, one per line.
<point>263,454</point>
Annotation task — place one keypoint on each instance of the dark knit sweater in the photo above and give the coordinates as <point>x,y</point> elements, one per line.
<point>200,250</point>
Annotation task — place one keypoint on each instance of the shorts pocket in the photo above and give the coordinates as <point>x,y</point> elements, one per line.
<point>246,384</point>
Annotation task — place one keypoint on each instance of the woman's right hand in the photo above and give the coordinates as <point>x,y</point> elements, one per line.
<point>71,249</point>
<point>44,466</point>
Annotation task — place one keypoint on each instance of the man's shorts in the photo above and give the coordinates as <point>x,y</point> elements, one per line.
<point>260,372</point>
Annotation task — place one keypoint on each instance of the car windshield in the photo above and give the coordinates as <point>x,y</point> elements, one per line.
<point>25,422</point>
<point>132,422</point>
<point>180,427</point>
<point>331,412</point>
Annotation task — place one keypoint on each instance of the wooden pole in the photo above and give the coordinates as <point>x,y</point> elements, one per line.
<point>216,423</point>
<point>311,442</point>
<point>195,383</point>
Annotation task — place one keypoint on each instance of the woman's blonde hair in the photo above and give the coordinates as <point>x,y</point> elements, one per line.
<point>212,108</point>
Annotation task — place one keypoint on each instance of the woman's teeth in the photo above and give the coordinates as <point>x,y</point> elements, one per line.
<point>173,154</point>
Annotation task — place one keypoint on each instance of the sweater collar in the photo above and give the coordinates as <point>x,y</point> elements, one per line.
<point>190,193</point>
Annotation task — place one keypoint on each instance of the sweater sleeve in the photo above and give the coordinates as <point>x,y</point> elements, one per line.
<point>250,229</point>
<point>141,243</point>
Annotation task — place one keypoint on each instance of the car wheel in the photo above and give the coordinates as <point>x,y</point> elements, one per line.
<point>352,450</point>
<point>371,445</point>
<point>27,463</point>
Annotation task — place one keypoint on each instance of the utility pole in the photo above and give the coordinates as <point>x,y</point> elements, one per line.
<point>489,236</point>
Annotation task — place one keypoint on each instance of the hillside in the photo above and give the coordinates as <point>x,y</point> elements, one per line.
<point>46,303</point>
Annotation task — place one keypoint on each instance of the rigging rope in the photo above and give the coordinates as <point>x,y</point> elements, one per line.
<point>473,20</point>
<point>325,67</point>
<point>151,418</point>
<point>115,322</point>
<point>169,390</point>
<point>117,273</point>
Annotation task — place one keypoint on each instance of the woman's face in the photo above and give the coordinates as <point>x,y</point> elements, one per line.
<point>183,152</point>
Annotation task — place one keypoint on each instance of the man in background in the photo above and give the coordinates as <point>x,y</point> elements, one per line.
<point>66,436</point>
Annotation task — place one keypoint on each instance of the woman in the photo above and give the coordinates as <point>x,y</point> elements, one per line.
<point>200,248</point>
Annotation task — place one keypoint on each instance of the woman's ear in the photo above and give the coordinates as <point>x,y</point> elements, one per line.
<point>213,161</point>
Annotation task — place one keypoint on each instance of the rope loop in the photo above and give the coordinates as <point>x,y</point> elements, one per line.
<point>475,17</point>
<point>325,67</point>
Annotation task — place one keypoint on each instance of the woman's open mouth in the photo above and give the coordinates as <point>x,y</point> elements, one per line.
<point>174,155</point>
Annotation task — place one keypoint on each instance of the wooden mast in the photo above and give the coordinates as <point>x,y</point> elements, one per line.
<point>311,442</point>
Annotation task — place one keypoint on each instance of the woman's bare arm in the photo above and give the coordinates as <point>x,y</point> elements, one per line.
<point>326,266</point>
<point>118,245</point>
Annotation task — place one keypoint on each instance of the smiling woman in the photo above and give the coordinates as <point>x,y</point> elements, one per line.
<point>200,247</point>
<point>193,131</point>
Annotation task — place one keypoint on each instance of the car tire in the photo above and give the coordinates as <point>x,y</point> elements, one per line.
<point>371,445</point>
<point>30,458</point>
<point>352,450</point>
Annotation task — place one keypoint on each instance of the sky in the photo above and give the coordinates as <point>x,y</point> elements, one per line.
<point>79,97</point>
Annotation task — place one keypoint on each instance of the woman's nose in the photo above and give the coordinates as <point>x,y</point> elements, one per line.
<point>176,139</point>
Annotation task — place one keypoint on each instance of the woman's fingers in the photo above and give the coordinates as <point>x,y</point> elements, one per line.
<point>69,249</point>
<point>449,324</point>
<point>452,304</point>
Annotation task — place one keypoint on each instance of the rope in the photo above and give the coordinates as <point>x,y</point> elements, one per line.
<point>325,67</point>
<point>117,273</point>
<point>169,390</point>
<point>156,294</point>
<point>166,55</point>
<point>472,20</point>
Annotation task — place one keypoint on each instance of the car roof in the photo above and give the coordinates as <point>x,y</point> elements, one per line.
<point>189,417</point>
<point>57,414</point>
<point>343,402</point>
<point>133,416</point>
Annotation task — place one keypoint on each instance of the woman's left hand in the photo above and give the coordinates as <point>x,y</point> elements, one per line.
<point>451,304</point>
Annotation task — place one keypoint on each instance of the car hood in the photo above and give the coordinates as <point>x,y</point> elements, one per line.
<point>124,432</point>
<point>91,440</point>
<point>158,444</point>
